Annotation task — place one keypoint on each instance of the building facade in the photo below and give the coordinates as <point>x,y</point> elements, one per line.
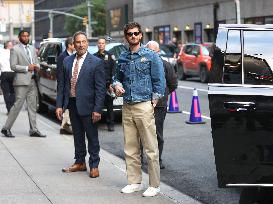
<point>194,21</point>
<point>119,12</point>
<point>42,23</point>
<point>16,15</point>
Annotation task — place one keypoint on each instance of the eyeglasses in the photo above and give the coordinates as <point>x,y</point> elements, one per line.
<point>130,34</point>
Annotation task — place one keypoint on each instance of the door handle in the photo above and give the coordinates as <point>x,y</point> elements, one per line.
<point>239,106</point>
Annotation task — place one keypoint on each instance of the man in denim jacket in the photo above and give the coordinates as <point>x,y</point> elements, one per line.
<point>140,79</point>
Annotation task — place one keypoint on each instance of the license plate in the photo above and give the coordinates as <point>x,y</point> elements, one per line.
<point>118,101</point>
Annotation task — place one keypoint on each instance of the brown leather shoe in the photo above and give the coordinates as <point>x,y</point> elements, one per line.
<point>75,167</point>
<point>94,173</point>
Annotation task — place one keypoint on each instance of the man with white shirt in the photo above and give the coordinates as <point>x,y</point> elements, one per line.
<point>7,75</point>
<point>24,62</point>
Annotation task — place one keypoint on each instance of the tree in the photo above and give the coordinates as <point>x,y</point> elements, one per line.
<point>98,13</point>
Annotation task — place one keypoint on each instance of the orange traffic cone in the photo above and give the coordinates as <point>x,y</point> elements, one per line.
<point>173,104</point>
<point>195,117</point>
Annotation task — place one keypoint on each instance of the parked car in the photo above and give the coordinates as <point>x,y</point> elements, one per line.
<point>48,53</point>
<point>167,54</point>
<point>194,60</point>
<point>241,105</point>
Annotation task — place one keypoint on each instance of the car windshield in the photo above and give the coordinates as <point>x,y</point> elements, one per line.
<point>205,51</point>
<point>165,51</point>
<point>93,48</point>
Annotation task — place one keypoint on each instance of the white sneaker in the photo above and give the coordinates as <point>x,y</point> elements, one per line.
<point>131,188</point>
<point>151,191</point>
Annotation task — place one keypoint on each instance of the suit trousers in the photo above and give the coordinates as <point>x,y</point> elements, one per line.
<point>160,114</point>
<point>22,93</point>
<point>110,113</point>
<point>81,126</point>
<point>8,89</point>
<point>139,126</point>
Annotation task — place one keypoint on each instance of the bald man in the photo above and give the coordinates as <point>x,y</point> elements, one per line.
<point>161,107</point>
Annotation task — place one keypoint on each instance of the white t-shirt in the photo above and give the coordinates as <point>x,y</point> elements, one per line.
<point>4,60</point>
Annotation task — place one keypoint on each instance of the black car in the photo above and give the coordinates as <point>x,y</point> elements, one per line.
<point>48,53</point>
<point>241,105</point>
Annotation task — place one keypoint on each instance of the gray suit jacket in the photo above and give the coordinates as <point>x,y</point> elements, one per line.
<point>19,62</point>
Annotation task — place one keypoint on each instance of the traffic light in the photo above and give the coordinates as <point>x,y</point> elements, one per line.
<point>85,20</point>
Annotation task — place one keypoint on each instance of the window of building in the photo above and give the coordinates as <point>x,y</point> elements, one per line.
<point>258,61</point>
<point>233,61</point>
<point>162,34</point>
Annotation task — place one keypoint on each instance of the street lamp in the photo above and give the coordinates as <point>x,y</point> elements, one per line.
<point>238,13</point>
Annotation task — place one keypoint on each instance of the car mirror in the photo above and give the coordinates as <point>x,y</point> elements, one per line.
<point>51,60</point>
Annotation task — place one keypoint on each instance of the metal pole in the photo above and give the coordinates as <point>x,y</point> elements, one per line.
<point>89,34</point>
<point>33,30</point>
<point>238,12</point>
<point>50,15</point>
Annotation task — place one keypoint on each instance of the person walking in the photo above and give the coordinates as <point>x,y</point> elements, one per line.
<point>109,61</point>
<point>140,79</point>
<point>161,106</point>
<point>7,75</point>
<point>82,91</point>
<point>24,62</point>
<point>66,124</point>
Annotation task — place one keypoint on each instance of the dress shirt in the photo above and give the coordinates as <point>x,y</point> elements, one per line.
<point>81,60</point>
<point>4,60</point>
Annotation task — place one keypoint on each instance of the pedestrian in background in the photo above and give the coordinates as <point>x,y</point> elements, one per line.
<point>24,62</point>
<point>161,107</point>
<point>140,79</point>
<point>7,75</point>
<point>83,85</point>
<point>109,65</point>
<point>66,124</point>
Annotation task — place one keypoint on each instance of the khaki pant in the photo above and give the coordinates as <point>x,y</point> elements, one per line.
<point>139,124</point>
<point>66,118</point>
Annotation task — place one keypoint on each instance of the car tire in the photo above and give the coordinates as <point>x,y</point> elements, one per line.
<point>204,75</point>
<point>180,72</point>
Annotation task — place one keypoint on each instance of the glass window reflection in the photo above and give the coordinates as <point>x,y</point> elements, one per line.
<point>258,57</point>
<point>233,65</point>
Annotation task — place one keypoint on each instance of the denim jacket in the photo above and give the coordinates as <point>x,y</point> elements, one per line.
<point>141,74</point>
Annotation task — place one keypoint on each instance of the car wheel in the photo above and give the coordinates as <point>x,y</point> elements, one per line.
<point>180,72</point>
<point>204,75</point>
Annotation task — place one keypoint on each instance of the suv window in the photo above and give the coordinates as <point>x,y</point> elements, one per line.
<point>233,61</point>
<point>258,62</point>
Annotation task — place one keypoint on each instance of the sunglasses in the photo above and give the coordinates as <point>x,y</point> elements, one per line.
<point>130,34</point>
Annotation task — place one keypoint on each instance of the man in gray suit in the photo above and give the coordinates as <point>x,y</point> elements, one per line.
<point>24,62</point>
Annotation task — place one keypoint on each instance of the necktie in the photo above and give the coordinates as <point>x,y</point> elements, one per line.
<point>28,54</point>
<point>74,78</point>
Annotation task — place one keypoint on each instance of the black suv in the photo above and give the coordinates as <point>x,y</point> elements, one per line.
<point>241,105</point>
<point>48,53</point>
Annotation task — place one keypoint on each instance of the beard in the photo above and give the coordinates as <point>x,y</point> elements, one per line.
<point>133,41</point>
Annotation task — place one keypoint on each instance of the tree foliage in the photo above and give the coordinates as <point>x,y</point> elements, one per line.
<point>98,14</point>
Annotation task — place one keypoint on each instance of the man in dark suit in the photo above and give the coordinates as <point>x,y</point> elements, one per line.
<point>66,124</point>
<point>109,62</point>
<point>82,91</point>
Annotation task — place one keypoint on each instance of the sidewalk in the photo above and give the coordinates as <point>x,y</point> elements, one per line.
<point>30,171</point>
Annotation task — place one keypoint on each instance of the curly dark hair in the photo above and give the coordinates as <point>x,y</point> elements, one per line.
<point>131,25</point>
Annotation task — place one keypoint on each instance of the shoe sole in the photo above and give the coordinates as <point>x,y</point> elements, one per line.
<point>132,191</point>
<point>150,195</point>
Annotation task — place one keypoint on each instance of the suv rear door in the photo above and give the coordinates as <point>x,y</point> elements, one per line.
<point>47,81</point>
<point>241,107</point>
